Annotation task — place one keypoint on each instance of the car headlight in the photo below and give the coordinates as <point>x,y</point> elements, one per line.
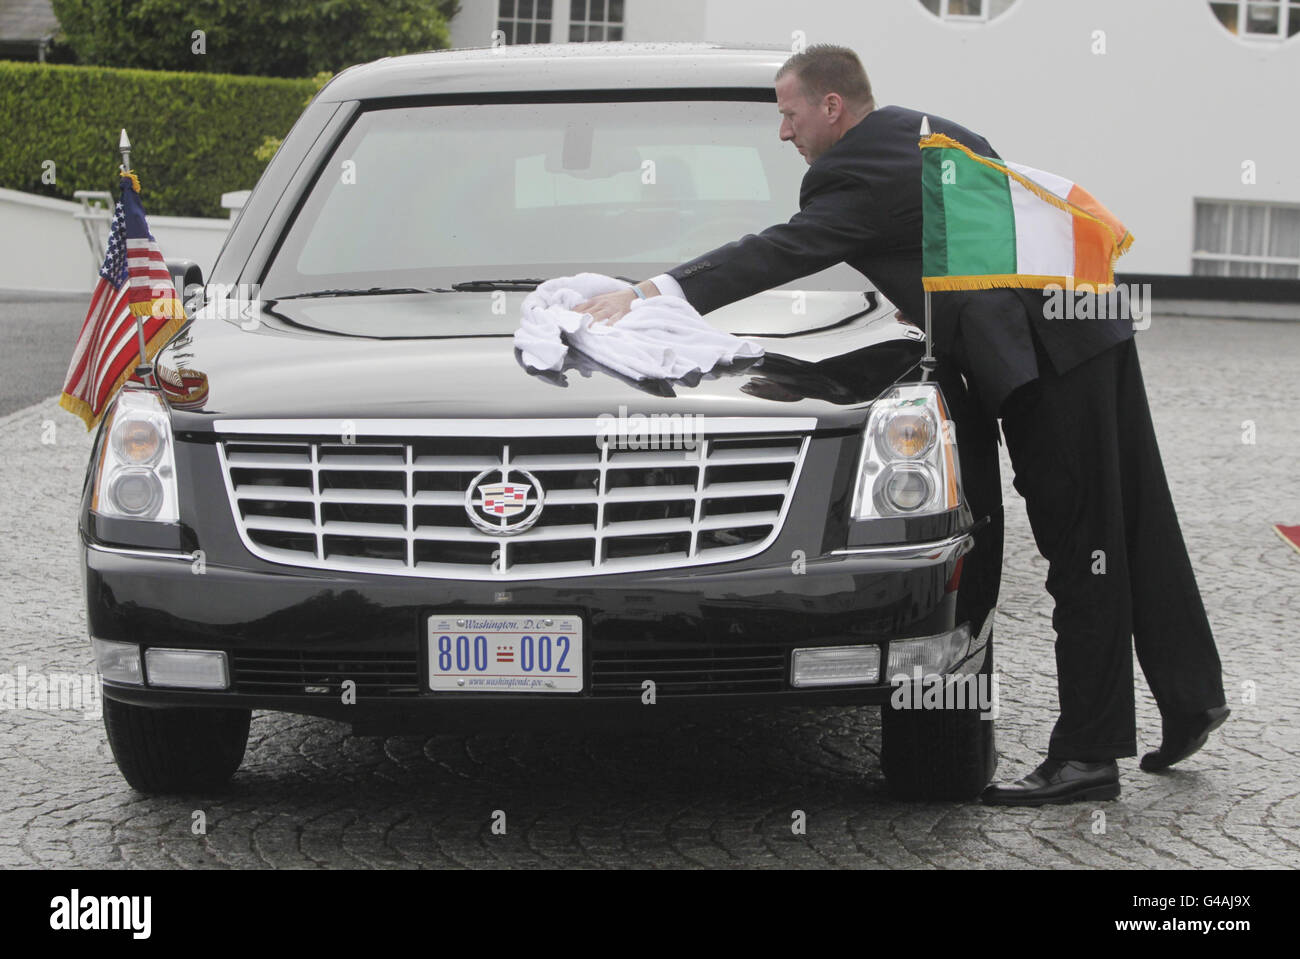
<point>136,475</point>
<point>909,461</point>
<point>908,433</point>
<point>137,441</point>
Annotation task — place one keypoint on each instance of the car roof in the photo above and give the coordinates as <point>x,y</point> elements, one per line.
<point>531,67</point>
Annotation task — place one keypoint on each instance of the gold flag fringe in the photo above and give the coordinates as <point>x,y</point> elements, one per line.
<point>997,281</point>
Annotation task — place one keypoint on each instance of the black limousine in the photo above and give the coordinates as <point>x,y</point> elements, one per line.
<point>346,496</point>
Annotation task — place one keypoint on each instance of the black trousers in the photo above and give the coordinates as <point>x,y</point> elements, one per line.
<point>1088,466</point>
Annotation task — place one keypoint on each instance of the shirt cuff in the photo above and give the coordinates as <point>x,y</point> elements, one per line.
<point>667,286</point>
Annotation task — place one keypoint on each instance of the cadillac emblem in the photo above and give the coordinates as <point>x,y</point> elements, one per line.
<point>504,500</point>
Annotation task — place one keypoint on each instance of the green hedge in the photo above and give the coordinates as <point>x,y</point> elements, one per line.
<point>193,135</point>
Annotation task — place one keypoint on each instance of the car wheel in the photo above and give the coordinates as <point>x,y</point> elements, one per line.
<point>176,749</point>
<point>938,754</point>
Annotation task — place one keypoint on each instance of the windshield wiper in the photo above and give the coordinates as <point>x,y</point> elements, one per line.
<point>373,291</point>
<point>474,286</point>
<point>468,286</point>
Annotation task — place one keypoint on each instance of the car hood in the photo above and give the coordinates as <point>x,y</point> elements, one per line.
<point>450,355</point>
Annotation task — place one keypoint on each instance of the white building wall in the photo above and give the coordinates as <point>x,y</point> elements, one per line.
<point>473,26</point>
<point>665,19</point>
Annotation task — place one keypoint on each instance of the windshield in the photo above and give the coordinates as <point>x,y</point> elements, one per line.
<point>429,196</point>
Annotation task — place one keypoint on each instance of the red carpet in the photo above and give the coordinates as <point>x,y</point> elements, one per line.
<point>1290,535</point>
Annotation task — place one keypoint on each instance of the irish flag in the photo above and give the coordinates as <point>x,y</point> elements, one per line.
<point>988,223</point>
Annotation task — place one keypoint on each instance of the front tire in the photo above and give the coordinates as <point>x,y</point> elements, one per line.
<point>938,754</point>
<point>176,750</point>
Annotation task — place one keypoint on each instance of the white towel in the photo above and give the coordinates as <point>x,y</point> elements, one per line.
<point>661,337</point>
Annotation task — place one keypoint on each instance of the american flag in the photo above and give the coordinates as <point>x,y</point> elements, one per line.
<point>133,281</point>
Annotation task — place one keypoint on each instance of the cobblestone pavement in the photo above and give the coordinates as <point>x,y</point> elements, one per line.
<point>721,792</point>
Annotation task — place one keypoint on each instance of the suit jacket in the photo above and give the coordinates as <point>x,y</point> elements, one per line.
<point>860,203</point>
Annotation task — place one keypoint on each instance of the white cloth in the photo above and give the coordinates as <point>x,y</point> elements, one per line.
<point>661,337</point>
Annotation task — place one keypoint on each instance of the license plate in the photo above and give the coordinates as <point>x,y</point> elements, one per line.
<point>514,653</point>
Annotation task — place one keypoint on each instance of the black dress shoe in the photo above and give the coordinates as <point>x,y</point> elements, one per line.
<point>1058,781</point>
<point>1182,737</point>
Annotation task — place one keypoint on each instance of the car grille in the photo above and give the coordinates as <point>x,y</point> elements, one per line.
<point>295,673</point>
<point>676,672</point>
<point>753,669</point>
<point>399,506</point>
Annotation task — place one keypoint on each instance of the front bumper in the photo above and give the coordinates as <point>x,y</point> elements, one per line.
<point>708,637</point>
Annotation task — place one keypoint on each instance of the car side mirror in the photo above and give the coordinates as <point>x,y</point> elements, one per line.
<point>187,278</point>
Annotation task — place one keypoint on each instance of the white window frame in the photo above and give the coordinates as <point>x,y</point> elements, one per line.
<point>1286,9</point>
<point>534,20</point>
<point>577,7</point>
<point>566,13</point>
<point>947,16</point>
<point>1260,258</point>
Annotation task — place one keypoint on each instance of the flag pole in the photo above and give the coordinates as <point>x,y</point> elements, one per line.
<point>145,369</point>
<point>927,361</point>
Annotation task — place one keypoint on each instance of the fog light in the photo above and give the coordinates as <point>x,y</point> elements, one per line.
<point>190,668</point>
<point>835,666</point>
<point>118,662</point>
<point>929,654</point>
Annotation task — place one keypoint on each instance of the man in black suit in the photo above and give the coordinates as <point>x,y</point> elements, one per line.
<point>1074,414</point>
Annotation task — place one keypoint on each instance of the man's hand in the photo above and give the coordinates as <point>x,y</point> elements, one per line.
<point>612,307</point>
<point>608,307</point>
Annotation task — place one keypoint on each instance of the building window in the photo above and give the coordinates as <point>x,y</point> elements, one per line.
<point>1259,19</point>
<point>525,21</point>
<point>1247,239</point>
<point>595,20</point>
<point>967,11</point>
